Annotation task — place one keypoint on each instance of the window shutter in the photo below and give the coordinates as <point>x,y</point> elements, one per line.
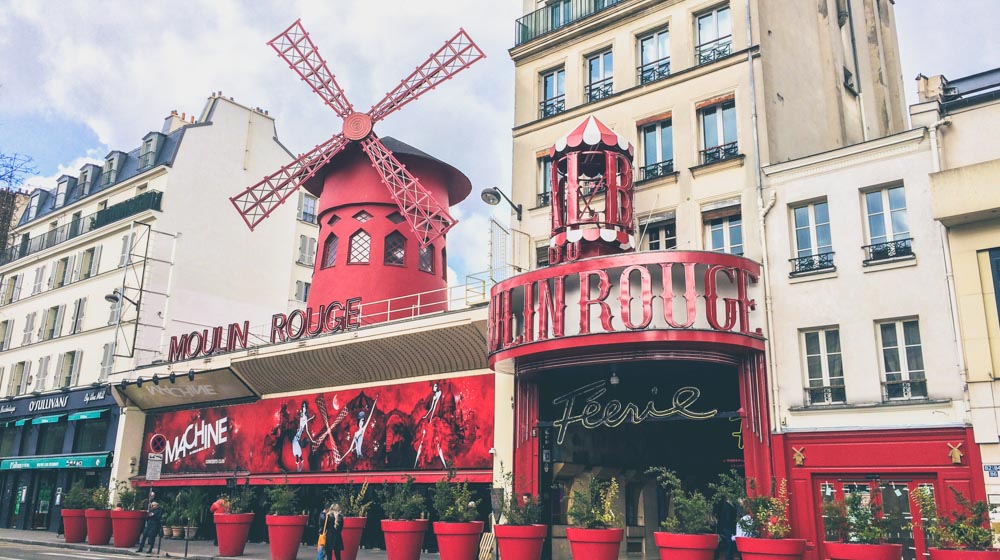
<point>298,212</point>
<point>52,274</point>
<point>75,373</point>
<point>4,288</point>
<point>17,287</point>
<point>106,360</point>
<point>41,325</point>
<point>10,380</point>
<point>298,290</point>
<point>59,380</point>
<point>57,329</point>
<point>43,372</point>
<point>78,260</point>
<point>123,258</point>
<point>7,334</point>
<point>1,375</point>
<point>95,263</point>
<point>29,325</point>
<point>303,243</point>
<point>25,378</point>
<point>39,274</point>
<point>115,310</point>
<point>312,251</point>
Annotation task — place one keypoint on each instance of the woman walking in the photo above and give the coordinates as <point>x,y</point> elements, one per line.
<point>333,526</point>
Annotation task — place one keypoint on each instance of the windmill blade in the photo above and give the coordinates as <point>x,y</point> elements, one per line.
<point>298,50</point>
<point>457,54</point>
<point>428,219</point>
<point>258,201</point>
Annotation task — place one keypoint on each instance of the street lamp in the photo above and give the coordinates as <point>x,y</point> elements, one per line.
<point>117,295</point>
<point>493,195</point>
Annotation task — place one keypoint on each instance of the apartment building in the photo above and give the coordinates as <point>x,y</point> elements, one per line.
<point>108,263</point>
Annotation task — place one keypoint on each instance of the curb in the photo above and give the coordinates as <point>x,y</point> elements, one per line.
<point>95,548</point>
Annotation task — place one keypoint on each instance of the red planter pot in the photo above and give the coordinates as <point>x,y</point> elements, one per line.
<point>674,546</point>
<point>594,544</point>
<point>849,551</point>
<point>458,541</point>
<point>126,526</point>
<point>351,535</point>
<point>938,554</point>
<point>98,526</point>
<point>523,542</point>
<point>770,549</point>
<point>232,530</point>
<point>74,525</point>
<point>284,532</point>
<point>403,538</point>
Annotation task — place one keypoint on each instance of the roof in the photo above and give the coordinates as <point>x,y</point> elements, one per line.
<point>129,168</point>
<point>593,134</point>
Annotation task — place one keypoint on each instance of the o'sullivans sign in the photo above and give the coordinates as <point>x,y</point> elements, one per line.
<point>693,296</point>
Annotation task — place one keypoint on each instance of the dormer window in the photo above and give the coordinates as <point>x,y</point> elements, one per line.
<point>61,188</point>
<point>150,145</point>
<point>33,205</point>
<point>84,182</point>
<point>112,165</point>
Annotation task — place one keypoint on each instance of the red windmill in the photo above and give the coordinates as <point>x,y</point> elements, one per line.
<point>422,209</point>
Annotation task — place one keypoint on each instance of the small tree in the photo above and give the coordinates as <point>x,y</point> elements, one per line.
<point>854,520</point>
<point>453,501</point>
<point>282,500</point>
<point>127,495</point>
<point>966,529</point>
<point>513,511</point>
<point>78,497</point>
<point>595,508</point>
<point>243,499</point>
<point>767,515</point>
<point>100,498</point>
<point>691,511</point>
<point>402,501</point>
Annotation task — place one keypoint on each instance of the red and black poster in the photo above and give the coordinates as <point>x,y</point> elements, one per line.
<point>428,425</point>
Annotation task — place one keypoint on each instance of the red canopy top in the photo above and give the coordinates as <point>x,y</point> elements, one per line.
<point>594,135</point>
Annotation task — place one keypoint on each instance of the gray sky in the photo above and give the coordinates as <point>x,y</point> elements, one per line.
<point>79,78</point>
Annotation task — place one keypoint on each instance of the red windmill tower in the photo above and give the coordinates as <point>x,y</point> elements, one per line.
<point>366,193</point>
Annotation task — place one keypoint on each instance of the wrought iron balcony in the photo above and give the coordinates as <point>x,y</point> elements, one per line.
<point>714,50</point>
<point>556,15</point>
<point>147,159</point>
<point>149,200</point>
<point>656,70</point>
<point>720,153</point>
<point>551,106</point>
<point>903,390</point>
<point>826,394</point>
<point>897,249</point>
<point>654,170</point>
<point>544,198</point>
<point>599,90</point>
<point>811,263</point>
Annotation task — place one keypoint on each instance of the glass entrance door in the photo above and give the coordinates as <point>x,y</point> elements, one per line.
<point>42,505</point>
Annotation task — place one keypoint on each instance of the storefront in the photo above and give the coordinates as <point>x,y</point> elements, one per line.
<point>48,443</point>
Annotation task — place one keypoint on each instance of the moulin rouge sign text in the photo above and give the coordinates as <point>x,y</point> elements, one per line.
<point>687,290</point>
<point>331,318</point>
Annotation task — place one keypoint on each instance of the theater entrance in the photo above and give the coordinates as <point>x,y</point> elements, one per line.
<point>617,420</point>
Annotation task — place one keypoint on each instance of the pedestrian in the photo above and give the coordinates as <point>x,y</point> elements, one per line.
<point>333,526</point>
<point>219,506</point>
<point>726,515</point>
<point>154,524</point>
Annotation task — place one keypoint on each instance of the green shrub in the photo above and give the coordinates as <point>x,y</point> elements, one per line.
<point>595,507</point>
<point>968,528</point>
<point>243,498</point>
<point>402,501</point>
<point>453,501</point>
<point>514,511</point>
<point>855,521</point>
<point>691,512</point>
<point>767,515</point>
<point>100,498</point>
<point>282,500</point>
<point>78,497</point>
<point>127,495</point>
<point>351,500</point>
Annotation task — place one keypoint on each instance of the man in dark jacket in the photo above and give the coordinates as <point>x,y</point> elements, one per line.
<point>154,524</point>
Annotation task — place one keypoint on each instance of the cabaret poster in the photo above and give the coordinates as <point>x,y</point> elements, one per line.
<point>428,425</point>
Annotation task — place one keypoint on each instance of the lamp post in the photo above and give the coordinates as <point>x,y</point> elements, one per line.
<point>493,196</point>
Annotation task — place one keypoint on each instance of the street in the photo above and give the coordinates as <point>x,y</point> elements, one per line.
<point>16,551</point>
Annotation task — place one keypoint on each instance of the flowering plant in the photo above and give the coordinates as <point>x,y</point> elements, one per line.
<point>595,508</point>
<point>767,516</point>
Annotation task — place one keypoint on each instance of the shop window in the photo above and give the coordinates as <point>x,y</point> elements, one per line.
<point>824,367</point>
<point>395,249</point>
<point>7,438</point>
<point>91,435</point>
<point>329,251</point>
<point>813,242</point>
<point>427,259</point>
<point>361,248</point>
<point>50,438</point>
<point>902,360</point>
<point>887,227</point>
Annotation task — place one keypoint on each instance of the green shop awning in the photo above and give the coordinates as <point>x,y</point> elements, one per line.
<point>87,414</point>
<point>47,419</point>
<point>21,422</point>
<point>64,462</point>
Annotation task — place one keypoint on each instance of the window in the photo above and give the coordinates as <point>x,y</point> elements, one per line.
<point>52,322</point>
<point>307,208</point>
<point>107,361</point>
<point>824,367</point>
<point>18,383</point>
<point>83,183</point>
<point>90,435</point>
<point>994,256</point>
<point>7,437</point>
<point>116,312</point>
<point>657,150</point>
<point>75,224</point>
<point>654,56</point>
<point>90,262</point>
<point>29,328</point>
<point>715,35</point>
<point>329,251</point>
<point>79,307</point>
<point>361,247</point>
<point>661,235</point>
<point>36,286</point>
<point>559,13</point>
<point>61,192</point>
<point>127,245</point>
<point>718,127</point>
<point>302,290</point>
<point>62,271</point>
<point>600,71</point>
<point>51,438</point>
<point>11,289</point>
<point>724,234</point>
<point>395,249</point>
<point>888,228</point>
<point>362,216</point>
<point>43,373</point>
<point>426,259</point>
<point>542,256</point>
<point>6,330</point>
<point>148,154</point>
<point>813,243</point>
<point>68,369</point>
<point>544,181</point>
<point>902,360</point>
<point>307,250</point>
<point>553,93</point>
<point>444,263</point>
<point>110,169</point>
<point>33,205</point>
<point>396,218</point>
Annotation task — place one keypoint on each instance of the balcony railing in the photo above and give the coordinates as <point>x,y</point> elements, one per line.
<point>897,249</point>
<point>551,106</point>
<point>714,50</point>
<point>826,394</point>
<point>544,198</point>
<point>720,153</point>
<point>903,390</point>
<point>149,200</point>
<point>556,15</point>
<point>811,263</point>
<point>656,70</point>
<point>147,159</point>
<point>600,90</point>
<point>654,170</point>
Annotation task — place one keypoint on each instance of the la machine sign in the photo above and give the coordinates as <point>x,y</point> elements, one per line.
<point>302,323</point>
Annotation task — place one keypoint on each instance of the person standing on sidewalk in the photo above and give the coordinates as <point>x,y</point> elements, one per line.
<point>154,524</point>
<point>333,526</point>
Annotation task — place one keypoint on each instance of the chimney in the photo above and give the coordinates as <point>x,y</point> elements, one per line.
<point>172,123</point>
<point>932,88</point>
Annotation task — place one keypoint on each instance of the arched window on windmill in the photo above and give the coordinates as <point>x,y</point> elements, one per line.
<point>395,249</point>
<point>329,251</point>
<point>361,248</point>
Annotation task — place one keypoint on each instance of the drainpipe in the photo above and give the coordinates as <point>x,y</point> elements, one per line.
<point>762,210</point>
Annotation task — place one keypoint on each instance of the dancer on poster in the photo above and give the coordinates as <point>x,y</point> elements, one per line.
<point>304,420</point>
<point>435,429</point>
<point>358,440</point>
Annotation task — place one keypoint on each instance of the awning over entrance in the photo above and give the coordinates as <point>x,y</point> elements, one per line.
<point>87,414</point>
<point>51,419</point>
<point>62,462</point>
<point>21,422</point>
<point>187,389</point>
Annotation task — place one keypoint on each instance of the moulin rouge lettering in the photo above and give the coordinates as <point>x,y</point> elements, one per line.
<point>613,413</point>
<point>198,437</point>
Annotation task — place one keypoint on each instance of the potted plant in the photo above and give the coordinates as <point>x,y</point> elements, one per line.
<point>354,507</point>
<point>404,525</point>
<point>595,535</point>
<point>767,525</point>
<point>965,535</point>
<point>284,524</point>
<point>195,504</point>
<point>457,530</point>
<point>126,523</point>
<point>688,531</point>
<point>177,524</point>
<point>861,528</point>
<point>99,517</point>
<point>520,535</point>
<point>168,512</point>
<point>74,505</point>
<point>233,528</point>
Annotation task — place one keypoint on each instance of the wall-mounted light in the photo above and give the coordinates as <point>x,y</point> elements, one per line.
<point>131,465</point>
<point>614,379</point>
<point>156,379</point>
<point>117,295</point>
<point>138,382</point>
<point>173,377</point>
<point>493,196</point>
<point>190,375</point>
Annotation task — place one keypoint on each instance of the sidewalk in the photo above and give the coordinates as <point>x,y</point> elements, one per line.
<point>197,550</point>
